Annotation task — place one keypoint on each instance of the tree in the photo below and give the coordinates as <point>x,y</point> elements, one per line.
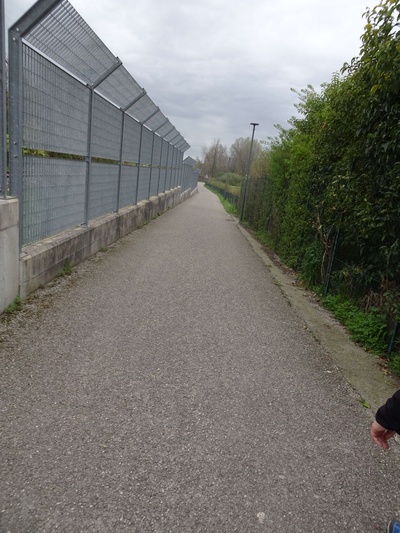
<point>239,154</point>
<point>215,159</point>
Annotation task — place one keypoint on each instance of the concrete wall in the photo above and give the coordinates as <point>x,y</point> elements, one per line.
<point>9,251</point>
<point>42,261</point>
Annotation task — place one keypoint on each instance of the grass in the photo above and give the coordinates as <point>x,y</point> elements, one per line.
<point>14,307</point>
<point>229,208</point>
<point>264,238</point>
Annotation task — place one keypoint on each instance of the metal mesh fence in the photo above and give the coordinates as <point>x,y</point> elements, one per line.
<point>103,190</point>
<point>107,122</point>
<point>143,187</point>
<point>129,177</point>
<point>54,196</point>
<point>82,129</point>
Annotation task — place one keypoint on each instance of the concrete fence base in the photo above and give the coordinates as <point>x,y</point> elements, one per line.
<point>9,251</point>
<point>42,261</point>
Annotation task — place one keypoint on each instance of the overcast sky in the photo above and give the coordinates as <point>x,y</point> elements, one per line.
<point>214,66</point>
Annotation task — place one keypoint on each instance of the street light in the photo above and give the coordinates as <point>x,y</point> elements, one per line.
<point>254,124</point>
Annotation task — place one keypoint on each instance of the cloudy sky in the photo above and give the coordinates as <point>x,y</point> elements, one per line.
<point>214,66</point>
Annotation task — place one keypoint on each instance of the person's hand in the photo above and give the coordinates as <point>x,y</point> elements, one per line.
<point>381,435</point>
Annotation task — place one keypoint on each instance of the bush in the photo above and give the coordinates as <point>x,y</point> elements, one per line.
<point>310,270</point>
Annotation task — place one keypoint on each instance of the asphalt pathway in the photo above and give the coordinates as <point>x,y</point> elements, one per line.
<point>170,387</point>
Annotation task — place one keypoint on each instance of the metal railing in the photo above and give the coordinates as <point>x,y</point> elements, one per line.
<point>85,138</point>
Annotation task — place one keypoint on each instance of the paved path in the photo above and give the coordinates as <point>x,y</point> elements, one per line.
<point>170,387</point>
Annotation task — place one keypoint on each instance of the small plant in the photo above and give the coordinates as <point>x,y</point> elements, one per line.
<point>12,308</point>
<point>103,249</point>
<point>310,271</point>
<point>67,269</point>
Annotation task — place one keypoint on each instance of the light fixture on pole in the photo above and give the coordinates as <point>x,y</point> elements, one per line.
<point>254,124</point>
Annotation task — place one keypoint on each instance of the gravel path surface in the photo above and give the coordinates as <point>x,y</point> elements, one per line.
<point>168,386</point>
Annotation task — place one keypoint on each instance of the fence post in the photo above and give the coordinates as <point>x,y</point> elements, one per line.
<point>124,111</point>
<point>166,174</point>
<point>15,122</point>
<point>151,165</point>
<point>159,166</point>
<point>88,157</point>
<point>3,106</point>
<point>161,151</point>
<point>139,163</point>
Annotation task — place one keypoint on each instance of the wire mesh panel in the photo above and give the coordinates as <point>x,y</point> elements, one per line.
<point>174,177</point>
<point>164,163</point>
<point>178,165</point>
<point>130,150</point>
<point>120,88</point>
<point>143,187</point>
<point>103,189</point>
<point>54,196</point>
<point>169,169</point>
<point>106,129</point>
<point>153,189</point>
<point>142,109</point>
<point>63,36</point>
<point>147,146</point>
<point>157,150</point>
<point>128,185</point>
<point>155,171</point>
<point>55,107</point>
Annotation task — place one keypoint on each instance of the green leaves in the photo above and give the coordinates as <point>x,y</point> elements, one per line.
<point>336,172</point>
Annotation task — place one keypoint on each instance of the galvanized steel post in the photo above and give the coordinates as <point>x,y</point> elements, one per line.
<point>88,157</point>
<point>3,106</point>
<point>254,124</point>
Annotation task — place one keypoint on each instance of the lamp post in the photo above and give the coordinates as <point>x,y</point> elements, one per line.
<point>254,124</point>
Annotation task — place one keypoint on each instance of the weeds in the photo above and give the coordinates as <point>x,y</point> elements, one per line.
<point>67,269</point>
<point>367,329</point>
<point>264,238</point>
<point>229,208</point>
<point>14,307</point>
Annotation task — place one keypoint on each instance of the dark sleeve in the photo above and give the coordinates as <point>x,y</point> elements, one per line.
<point>388,415</point>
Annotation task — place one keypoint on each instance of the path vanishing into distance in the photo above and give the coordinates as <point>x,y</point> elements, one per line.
<point>169,385</point>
